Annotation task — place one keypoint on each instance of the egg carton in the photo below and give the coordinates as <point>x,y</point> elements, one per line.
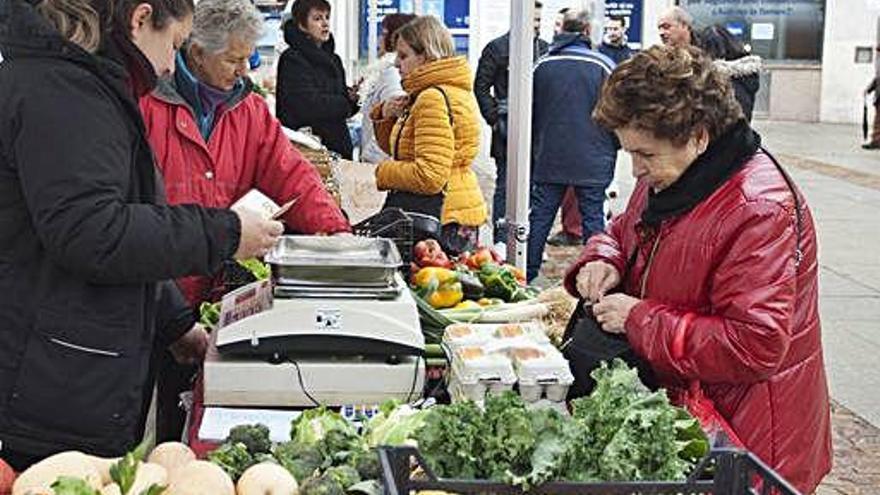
<point>476,391</point>
<point>473,363</point>
<point>497,337</point>
<point>460,335</point>
<point>541,371</point>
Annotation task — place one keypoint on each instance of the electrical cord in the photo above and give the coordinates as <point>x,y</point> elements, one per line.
<point>415,380</point>
<point>302,384</point>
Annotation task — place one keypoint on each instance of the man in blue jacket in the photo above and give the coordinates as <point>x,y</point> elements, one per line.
<point>568,148</point>
<point>490,88</point>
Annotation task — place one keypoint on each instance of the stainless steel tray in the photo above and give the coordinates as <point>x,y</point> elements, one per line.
<point>300,292</point>
<point>334,260</point>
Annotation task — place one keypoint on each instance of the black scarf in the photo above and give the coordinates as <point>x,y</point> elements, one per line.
<point>724,156</point>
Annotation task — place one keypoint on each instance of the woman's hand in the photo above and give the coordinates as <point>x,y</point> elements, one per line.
<point>595,279</point>
<point>394,107</point>
<point>191,347</point>
<point>258,234</point>
<point>354,90</point>
<point>612,311</point>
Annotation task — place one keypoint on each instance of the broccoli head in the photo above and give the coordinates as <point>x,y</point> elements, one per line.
<point>322,485</point>
<point>300,459</point>
<point>367,464</point>
<point>254,437</point>
<point>234,458</point>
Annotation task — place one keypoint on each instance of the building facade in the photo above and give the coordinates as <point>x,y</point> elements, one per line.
<point>818,54</point>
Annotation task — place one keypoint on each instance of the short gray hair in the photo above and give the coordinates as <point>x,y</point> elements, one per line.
<point>681,16</point>
<point>576,21</point>
<point>216,21</point>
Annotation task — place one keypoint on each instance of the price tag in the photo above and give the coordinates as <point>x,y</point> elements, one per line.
<point>245,301</point>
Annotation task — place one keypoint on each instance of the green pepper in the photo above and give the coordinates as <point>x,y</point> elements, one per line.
<point>499,283</point>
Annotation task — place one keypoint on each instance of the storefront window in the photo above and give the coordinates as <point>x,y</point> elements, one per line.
<point>775,29</point>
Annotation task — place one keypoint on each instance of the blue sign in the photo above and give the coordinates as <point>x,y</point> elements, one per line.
<point>632,11</point>
<point>457,15</point>
<point>454,13</point>
<point>384,7</point>
<point>737,29</point>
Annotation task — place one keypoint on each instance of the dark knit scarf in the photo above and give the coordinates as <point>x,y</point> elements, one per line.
<point>722,159</point>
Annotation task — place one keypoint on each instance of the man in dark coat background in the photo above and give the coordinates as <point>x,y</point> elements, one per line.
<point>568,148</point>
<point>874,87</point>
<point>614,40</point>
<point>491,86</point>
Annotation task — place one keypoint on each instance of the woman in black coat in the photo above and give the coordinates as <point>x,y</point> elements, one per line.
<point>87,244</point>
<point>311,89</point>
<point>732,59</point>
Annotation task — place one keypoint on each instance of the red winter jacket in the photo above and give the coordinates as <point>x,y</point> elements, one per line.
<point>754,339</point>
<point>246,149</point>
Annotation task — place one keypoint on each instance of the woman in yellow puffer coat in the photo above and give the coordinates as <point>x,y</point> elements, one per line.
<point>433,135</point>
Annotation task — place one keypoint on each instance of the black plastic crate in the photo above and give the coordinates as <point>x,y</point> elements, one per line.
<point>722,472</point>
<point>391,224</point>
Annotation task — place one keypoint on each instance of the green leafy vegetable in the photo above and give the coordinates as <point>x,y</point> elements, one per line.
<point>314,425</point>
<point>209,314</point>
<point>395,427</point>
<point>622,431</point>
<point>66,485</point>
<point>300,459</point>
<point>322,485</point>
<point>346,476</point>
<point>124,472</point>
<point>368,487</point>
<point>154,490</point>
<point>450,439</point>
<point>508,438</point>
<point>367,464</point>
<point>259,269</point>
<point>255,437</point>
<point>234,458</point>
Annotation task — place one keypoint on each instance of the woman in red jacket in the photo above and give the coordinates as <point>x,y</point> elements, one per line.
<point>715,259</point>
<point>215,140</point>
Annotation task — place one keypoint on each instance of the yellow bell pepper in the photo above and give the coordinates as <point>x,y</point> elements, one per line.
<point>467,305</point>
<point>446,296</point>
<point>422,278</point>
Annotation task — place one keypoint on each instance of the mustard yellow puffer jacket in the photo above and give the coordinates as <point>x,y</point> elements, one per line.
<point>433,155</point>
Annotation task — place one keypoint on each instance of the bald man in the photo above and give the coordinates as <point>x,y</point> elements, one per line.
<point>676,27</point>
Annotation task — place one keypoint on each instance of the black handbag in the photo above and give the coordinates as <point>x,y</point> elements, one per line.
<point>426,204</point>
<point>587,346</point>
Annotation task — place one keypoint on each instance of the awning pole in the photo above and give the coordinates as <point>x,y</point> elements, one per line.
<point>519,125</point>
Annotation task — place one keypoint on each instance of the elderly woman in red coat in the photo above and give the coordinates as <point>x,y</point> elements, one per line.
<point>215,140</point>
<point>715,257</point>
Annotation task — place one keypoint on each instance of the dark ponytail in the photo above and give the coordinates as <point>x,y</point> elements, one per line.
<point>84,21</point>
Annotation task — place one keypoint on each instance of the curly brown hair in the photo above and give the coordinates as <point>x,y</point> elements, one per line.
<point>671,92</point>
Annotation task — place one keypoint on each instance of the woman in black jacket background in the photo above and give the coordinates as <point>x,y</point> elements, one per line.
<point>732,59</point>
<point>311,89</point>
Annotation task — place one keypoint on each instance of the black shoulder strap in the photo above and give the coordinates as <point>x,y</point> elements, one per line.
<point>448,106</point>
<point>799,228</point>
<point>406,117</point>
